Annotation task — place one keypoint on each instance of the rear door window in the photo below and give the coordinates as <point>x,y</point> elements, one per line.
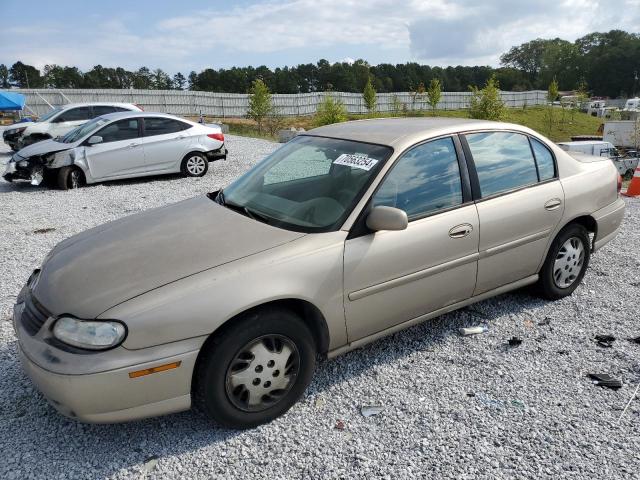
<point>504,161</point>
<point>102,110</point>
<point>162,126</point>
<point>544,160</point>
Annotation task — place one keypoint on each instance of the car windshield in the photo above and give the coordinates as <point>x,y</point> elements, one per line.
<point>49,114</point>
<point>310,184</point>
<point>77,133</point>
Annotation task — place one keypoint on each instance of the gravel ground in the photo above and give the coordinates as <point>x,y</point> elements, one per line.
<point>453,407</point>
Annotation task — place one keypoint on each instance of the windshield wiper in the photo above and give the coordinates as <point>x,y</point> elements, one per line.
<point>253,215</point>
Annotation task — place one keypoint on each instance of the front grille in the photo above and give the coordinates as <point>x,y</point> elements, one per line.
<point>34,315</point>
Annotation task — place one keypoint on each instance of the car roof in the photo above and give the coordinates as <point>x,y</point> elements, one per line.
<point>399,132</point>
<point>97,104</point>
<point>136,113</point>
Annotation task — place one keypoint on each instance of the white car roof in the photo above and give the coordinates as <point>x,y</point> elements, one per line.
<point>121,115</point>
<point>97,104</point>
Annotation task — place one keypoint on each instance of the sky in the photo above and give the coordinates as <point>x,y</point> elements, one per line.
<point>196,34</point>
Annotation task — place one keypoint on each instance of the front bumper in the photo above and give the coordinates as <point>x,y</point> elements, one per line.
<point>95,387</point>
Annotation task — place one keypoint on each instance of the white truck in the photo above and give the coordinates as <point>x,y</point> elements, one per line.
<point>626,165</point>
<point>622,133</point>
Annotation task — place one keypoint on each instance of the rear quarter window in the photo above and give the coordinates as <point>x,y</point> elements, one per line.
<point>544,159</point>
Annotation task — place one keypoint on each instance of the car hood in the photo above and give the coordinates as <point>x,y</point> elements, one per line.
<point>43,148</point>
<point>93,271</point>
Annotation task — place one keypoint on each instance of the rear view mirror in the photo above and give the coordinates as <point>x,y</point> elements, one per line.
<point>387,218</point>
<point>94,139</point>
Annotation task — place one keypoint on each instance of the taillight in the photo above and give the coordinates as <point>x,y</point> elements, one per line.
<point>216,136</point>
<point>619,184</point>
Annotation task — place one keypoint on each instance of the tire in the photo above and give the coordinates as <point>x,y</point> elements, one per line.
<point>566,263</point>
<point>195,165</point>
<point>70,178</point>
<point>247,357</point>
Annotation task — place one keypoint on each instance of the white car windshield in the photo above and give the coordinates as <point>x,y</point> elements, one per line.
<point>310,184</point>
<point>77,133</point>
<point>50,114</point>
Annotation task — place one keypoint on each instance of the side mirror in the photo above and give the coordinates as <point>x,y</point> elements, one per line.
<point>387,218</point>
<point>94,139</point>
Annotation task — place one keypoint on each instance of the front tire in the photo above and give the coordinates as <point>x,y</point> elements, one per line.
<point>70,178</point>
<point>566,263</point>
<point>255,370</point>
<point>195,165</point>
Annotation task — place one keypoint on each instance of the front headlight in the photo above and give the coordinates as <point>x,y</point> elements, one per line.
<point>15,131</point>
<point>89,334</point>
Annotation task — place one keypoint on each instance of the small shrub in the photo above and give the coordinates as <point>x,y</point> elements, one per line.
<point>486,103</point>
<point>369,97</point>
<point>259,102</point>
<point>434,93</point>
<point>330,111</point>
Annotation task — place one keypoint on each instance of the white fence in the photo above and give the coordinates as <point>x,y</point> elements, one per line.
<point>221,105</point>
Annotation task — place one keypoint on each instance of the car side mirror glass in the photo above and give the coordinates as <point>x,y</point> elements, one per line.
<point>94,139</point>
<point>387,218</point>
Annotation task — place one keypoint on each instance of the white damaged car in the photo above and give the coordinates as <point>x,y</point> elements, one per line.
<point>118,146</point>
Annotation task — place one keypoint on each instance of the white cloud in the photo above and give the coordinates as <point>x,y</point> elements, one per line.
<point>431,31</point>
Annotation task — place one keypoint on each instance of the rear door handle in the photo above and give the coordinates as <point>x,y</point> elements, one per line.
<point>460,231</point>
<point>133,145</point>
<point>553,204</point>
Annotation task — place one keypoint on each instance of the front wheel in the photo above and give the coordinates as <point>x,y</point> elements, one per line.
<point>70,178</point>
<point>195,165</point>
<point>255,370</point>
<point>566,263</point>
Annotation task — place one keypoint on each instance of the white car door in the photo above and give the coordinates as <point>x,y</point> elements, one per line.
<point>119,153</point>
<point>68,120</point>
<point>166,141</point>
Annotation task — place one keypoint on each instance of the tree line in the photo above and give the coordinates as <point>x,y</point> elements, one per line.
<point>607,64</point>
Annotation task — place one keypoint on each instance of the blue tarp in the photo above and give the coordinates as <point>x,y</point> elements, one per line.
<point>11,101</point>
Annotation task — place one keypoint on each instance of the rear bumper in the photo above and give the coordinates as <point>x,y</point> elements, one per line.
<point>219,154</point>
<point>609,220</point>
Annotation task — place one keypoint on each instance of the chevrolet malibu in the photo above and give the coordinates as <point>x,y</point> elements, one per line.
<point>346,234</point>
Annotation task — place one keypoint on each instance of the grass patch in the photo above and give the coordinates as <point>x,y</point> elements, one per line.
<point>532,117</point>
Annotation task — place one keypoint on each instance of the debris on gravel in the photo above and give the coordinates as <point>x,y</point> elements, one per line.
<point>454,407</point>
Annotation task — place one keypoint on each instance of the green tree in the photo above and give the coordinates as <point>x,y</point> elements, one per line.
<point>260,104</point>
<point>4,76</point>
<point>552,95</point>
<point>369,97</point>
<point>417,96</point>
<point>330,111</point>
<point>486,103</point>
<point>25,76</point>
<point>179,81</point>
<point>396,105</point>
<point>434,93</point>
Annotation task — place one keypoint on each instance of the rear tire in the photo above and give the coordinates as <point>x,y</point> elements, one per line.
<point>195,165</point>
<point>70,178</point>
<point>274,349</point>
<point>566,263</point>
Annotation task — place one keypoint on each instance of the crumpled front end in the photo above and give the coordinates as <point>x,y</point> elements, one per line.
<point>36,168</point>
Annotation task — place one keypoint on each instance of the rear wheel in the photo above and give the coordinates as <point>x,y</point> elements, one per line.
<point>70,178</point>
<point>566,262</point>
<point>255,370</point>
<point>195,165</point>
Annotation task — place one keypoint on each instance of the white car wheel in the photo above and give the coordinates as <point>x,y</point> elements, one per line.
<point>195,165</point>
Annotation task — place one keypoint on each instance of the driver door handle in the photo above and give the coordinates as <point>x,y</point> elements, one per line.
<point>460,231</point>
<point>552,204</point>
<point>133,145</point>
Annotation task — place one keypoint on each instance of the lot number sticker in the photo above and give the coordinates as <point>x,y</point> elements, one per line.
<point>356,161</point>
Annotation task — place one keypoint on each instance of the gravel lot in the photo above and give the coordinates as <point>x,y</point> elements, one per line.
<point>454,407</point>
